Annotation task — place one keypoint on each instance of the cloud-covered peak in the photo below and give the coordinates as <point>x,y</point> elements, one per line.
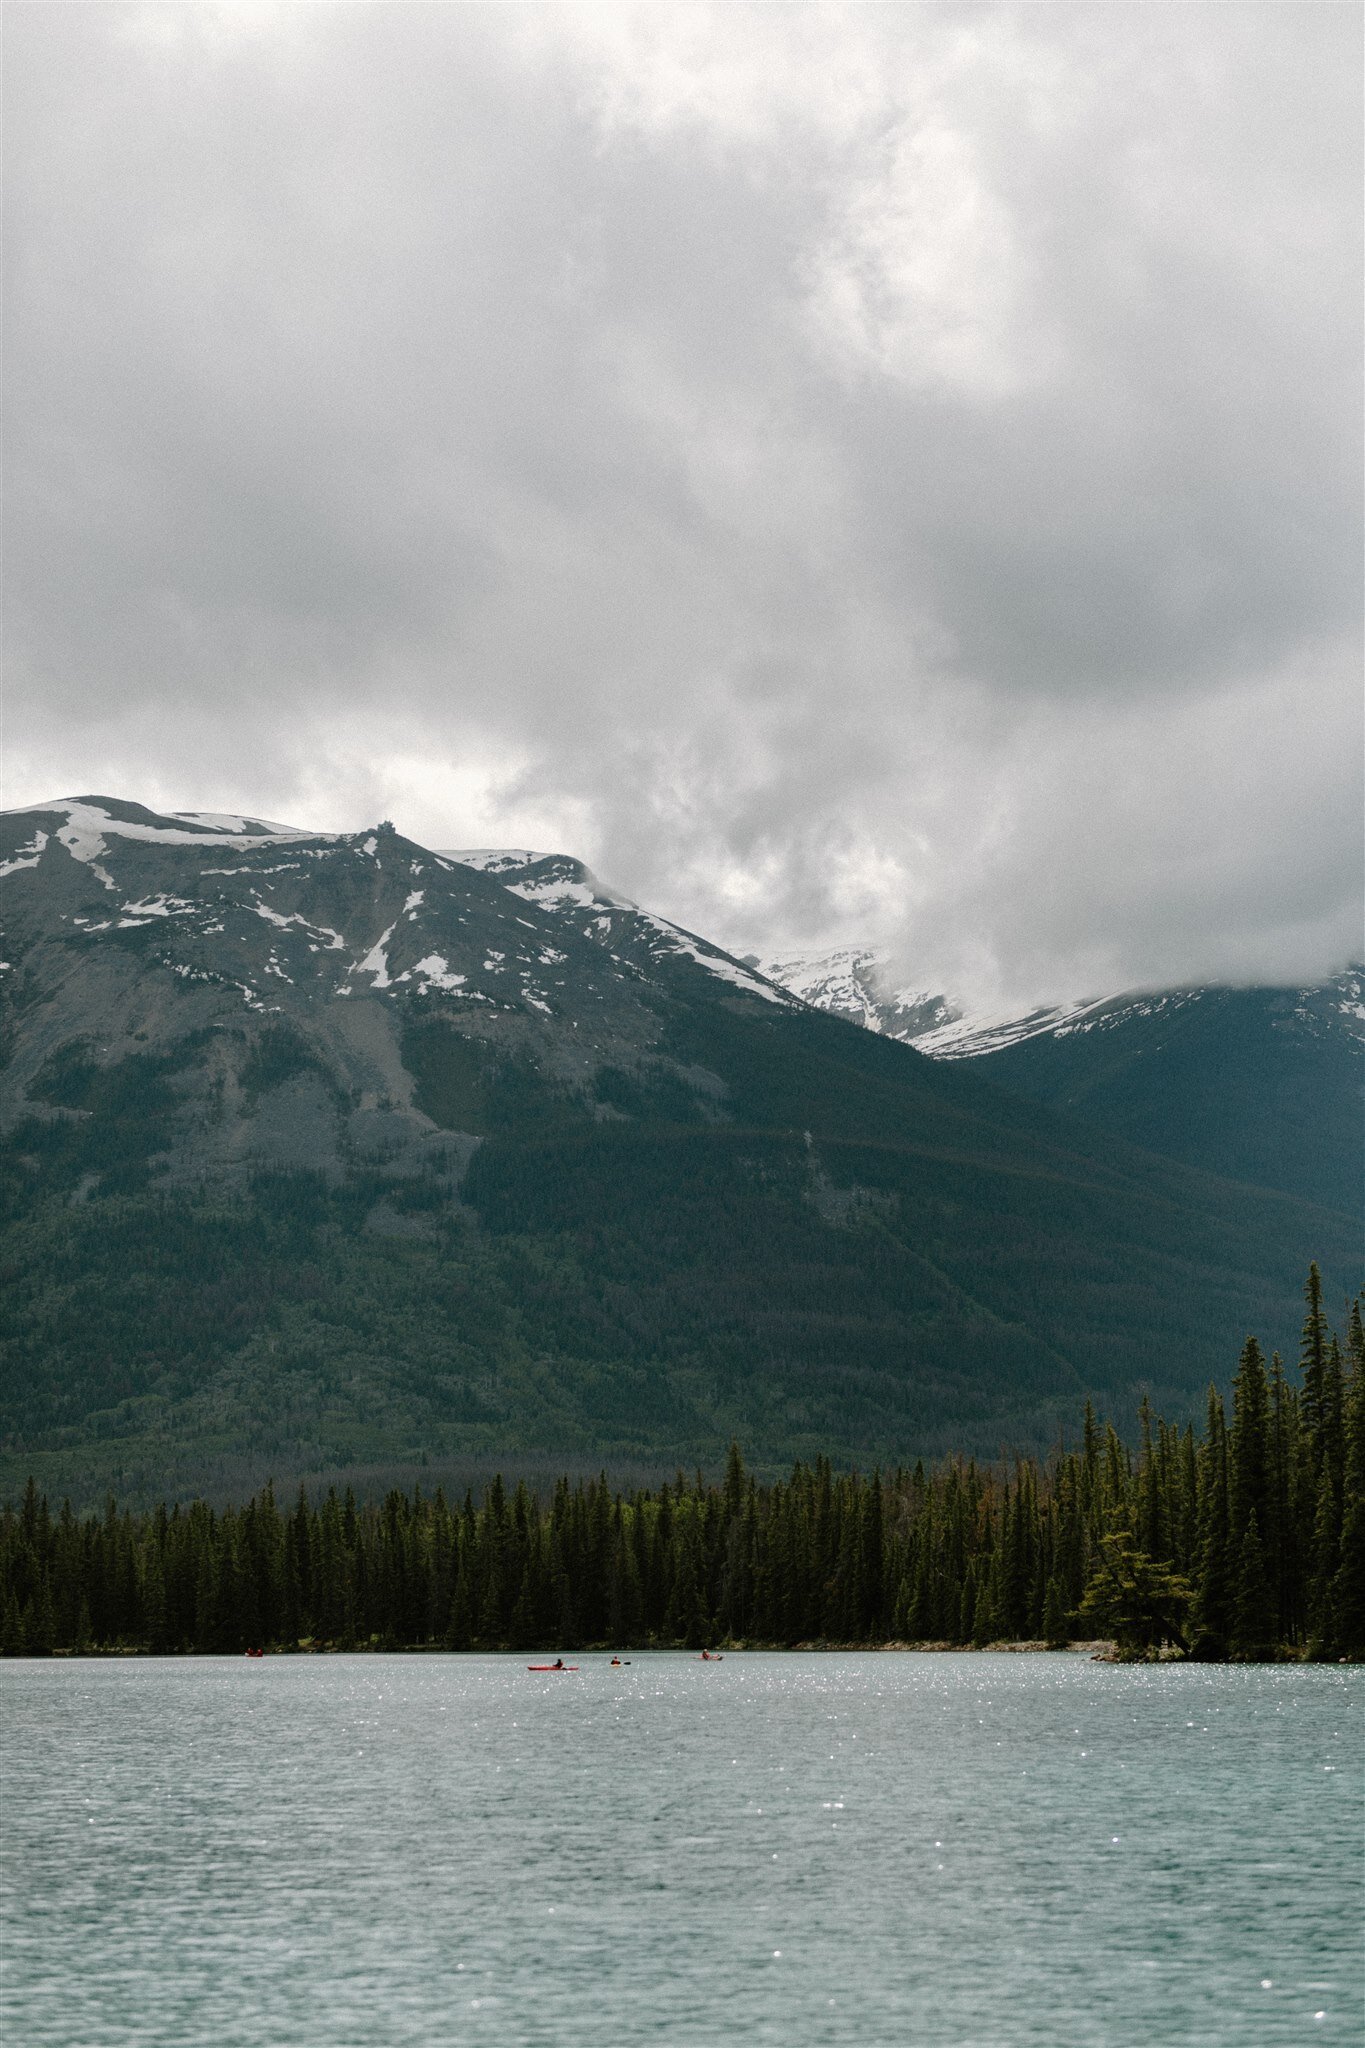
<point>863,470</point>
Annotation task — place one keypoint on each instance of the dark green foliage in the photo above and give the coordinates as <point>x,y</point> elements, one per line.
<point>464,1084</point>
<point>654,1093</point>
<point>1253,1615</point>
<point>1134,1597</point>
<point>1348,1589</point>
<point>68,1079</point>
<point>113,1119</point>
<point>1226,1079</point>
<point>1140,1549</point>
<point>278,1052</point>
<point>452,1075</point>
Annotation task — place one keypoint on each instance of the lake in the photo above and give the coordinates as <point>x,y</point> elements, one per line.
<point>987,1851</point>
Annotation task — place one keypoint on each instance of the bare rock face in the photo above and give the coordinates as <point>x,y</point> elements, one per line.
<point>283,973</point>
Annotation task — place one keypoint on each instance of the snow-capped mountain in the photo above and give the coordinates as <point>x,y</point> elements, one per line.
<point>233,875</point>
<point>1264,1084</point>
<point>328,1149</point>
<point>855,982</point>
<point>344,943</point>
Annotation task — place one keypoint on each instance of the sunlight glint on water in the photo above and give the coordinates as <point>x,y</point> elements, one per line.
<point>954,1851</point>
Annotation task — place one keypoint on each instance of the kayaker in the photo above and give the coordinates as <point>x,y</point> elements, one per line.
<point>558,1664</point>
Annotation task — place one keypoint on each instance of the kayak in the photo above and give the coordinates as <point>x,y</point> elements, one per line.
<point>552,1667</point>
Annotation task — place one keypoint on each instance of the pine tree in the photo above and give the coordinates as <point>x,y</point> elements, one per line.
<point>13,1637</point>
<point>1326,1559</point>
<point>459,1631</point>
<point>205,1594</point>
<point>1348,1586</point>
<point>1283,1527</point>
<point>40,1623</point>
<point>965,1630</point>
<point>1211,1615</point>
<point>1249,1491</point>
<point>1253,1622</point>
<point>1056,1632</point>
<point>1141,1602</point>
<point>1313,1346</point>
<point>984,1626</point>
<point>154,1624</point>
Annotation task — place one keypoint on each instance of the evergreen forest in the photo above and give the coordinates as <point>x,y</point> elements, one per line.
<point>1242,1540</point>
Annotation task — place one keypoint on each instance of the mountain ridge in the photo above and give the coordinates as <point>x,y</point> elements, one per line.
<point>330,1152</point>
<point>1264,1084</point>
<point>855,982</point>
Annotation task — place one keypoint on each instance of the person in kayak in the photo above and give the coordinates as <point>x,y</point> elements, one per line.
<point>558,1664</point>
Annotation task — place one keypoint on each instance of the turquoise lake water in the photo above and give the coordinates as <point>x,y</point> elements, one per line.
<point>963,1851</point>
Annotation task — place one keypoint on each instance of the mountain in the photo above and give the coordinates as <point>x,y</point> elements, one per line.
<point>1265,1085</point>
<point>329,1153</point>
<point>852,982</point>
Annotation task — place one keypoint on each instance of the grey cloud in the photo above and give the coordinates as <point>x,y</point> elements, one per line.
<point>859,472</point>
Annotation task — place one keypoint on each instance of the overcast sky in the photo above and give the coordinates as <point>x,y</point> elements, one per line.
<point>880,473</point>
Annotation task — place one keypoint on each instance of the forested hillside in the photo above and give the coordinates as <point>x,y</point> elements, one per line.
<point>1263,1085</point>
<point>1244,1540</point>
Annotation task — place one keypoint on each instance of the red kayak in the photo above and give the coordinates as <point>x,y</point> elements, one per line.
<point>552,1667</point>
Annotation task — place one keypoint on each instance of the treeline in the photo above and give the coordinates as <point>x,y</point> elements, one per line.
<point>1244,1541</point>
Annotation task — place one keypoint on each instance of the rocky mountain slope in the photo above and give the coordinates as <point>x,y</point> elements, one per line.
<point>303,970</point>
<point>331,1153</point>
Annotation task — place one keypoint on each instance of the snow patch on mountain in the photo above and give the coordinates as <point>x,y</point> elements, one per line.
<point>90,823</point>
<point>555,893</point>
<point>27,856</point>
<point>676,940</point>
<point>295,921</point>
<point>220,822</point>
<point>160,906</point>
<point>840,982</point>
<point>967,1036</point>
<point>495,860</point>
<point>558,883</point>
<point>376,961</point>
<point>434,971</point>
<point>854,982</point>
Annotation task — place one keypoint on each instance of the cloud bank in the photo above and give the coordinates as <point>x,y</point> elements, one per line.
<point>852,473</point>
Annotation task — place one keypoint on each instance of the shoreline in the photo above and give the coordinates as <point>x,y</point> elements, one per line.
<point>1098,1649</point>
